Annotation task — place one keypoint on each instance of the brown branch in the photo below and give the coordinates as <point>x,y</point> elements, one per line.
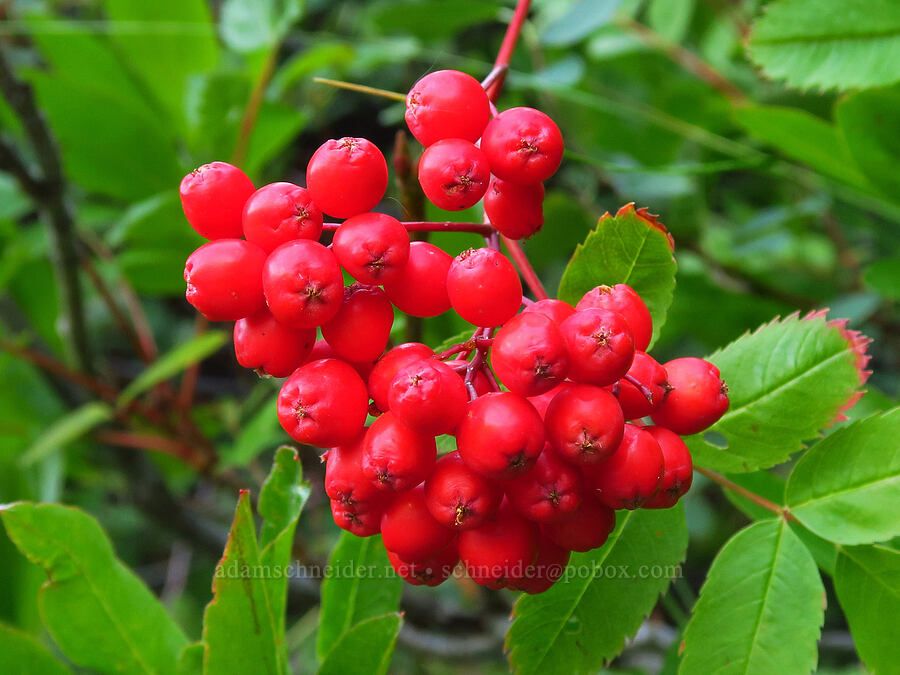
<point>778,510</point>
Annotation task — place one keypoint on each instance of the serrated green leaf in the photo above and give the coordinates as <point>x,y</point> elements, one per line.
<point>249,25</point>
<point>830,44</point>
<point>869,121</point>
<point>847,486</point>
<point>787,380</point>
<point>584,619</point>
<point>171,363</point>
<point>67,429</point>
<point>867,582</point>
<point>804,137</point>
<point>98,611</point>
<point>761,607</point>
<point>361,586</point>
<point>624,249</point>
<point>580,20</point>
<point>366,649</point>
<point>239,629</point>
<point>21,654</point>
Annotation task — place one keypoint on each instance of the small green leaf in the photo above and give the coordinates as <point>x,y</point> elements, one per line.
<point>884,276</point>
<point>67,429</point>
<point>603,598</point>
<point>761,608</point>
<point>98,611</point>
<point>630,248</point>
<point>804,137</point>
<point>869,121</point>
<point>239,630</point>
<point>366,649</point>
<point>787,380</point>
<point>190,661</point>
<point>671,18</point>
<point>21,654</point>
<point>249,25</point>
<point>361,586</point>
<point>580,20</point>
<point>830,44</point>
<point>847,486</point>
<point>867,582</point>
<point>171,363</point>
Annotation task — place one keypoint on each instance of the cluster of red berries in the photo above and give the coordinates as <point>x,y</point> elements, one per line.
<point>540,466</point>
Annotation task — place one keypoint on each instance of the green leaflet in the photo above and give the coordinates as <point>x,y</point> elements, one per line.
<point>67,429</point>
<point>21,654</point>
<point>366,649</point>
<point>869,121</point>
<point>760,609</point>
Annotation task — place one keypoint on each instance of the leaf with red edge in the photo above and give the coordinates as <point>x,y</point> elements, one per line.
<point>787,381</point>
<point>633,247</point>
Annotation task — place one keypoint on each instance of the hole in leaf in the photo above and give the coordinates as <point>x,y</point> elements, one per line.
<point>715,439</point>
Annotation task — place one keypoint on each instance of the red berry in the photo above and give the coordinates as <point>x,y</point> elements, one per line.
<point>303,284</point>
<point>387,367</point>
<point>622,298</point>
<point>323,404</point>
<point>679,469</point>
<point>454,174</point>
<point>697,399</point>
<point>601,346</point>
<point>584,424</point>
<point>345,481</point>
<point>261,343</point>
<point>278,213</point>
<point>500,436</point>
<point>322,350</point>
<point>646,370</point>
<point>484,287</point>
<point>498,553</point>
<point>550,564</point>
<point>363,519</point>
<point>557,310</point>
<point>360,330</point>
<point>542,402</point>
<point>429,397</point>
<point>529,354</point>
<point>224,279</point>
<point>447,104</point>
<point>515,210</point>
<point>523,145</point>
<point>633,474</point>
<point>421,287</point>
<point>347,176</point>
<point>480,382</point>
<point>372,247</point>
<point>431,572</point>
<point>408,529</point>
<point>395,457</point>
<point>458,497</point>
<point>585,529</point>
<point>550,491</point>
<point>213,197</point>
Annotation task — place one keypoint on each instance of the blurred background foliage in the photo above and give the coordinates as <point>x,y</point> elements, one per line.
<point>779,200</point>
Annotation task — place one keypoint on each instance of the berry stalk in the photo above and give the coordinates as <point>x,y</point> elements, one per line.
<point>426,226</point>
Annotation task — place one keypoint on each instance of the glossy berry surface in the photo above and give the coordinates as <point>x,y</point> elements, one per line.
<point>584,529</point>
<point>363,520</point>
<point>529,354</point>
<point>647,371</point>
<point>523,145</point>
<point>454,174</point>
<point>584,424</point>
<point>347,176</point>
<point>698,397</point>
<point>515,210</point>
<point>548,567</point>
<point>323,404</point>
<point>263,344</point>
<point>344,478</point>
<point>303,284</point>
<point>622,298</point>
<point>431,572</point>
<point>372,247</point>
<point>447,104</point>
<point>213,198</point>
<point>555,310</point>
<point>409,530</point>
<point>549,492</point>
<point>224,279</point>
<point>429,397</point>
<point>632,475</point>
<point>360,330</point>
<point>498,553</point>
<point>484,287</point>
<point>421,287</point>
<point>679,468</point>
<point>601,346</point>
<point>278,213</point>
<point>500,436</point>
<point>395,457</point>
<point>387,367</point>
<point>458,497</point>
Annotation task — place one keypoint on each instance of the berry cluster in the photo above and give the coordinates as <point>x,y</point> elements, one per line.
<point>543,461</point>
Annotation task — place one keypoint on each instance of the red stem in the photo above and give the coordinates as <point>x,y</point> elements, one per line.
<point>506,49</point>
<point>424,226</point>
<point>525,269</point>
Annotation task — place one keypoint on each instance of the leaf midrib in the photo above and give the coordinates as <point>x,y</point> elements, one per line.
<point>849,488</point>
<point>826,38</point>
<point>765,598</point>
<point>875,577</point>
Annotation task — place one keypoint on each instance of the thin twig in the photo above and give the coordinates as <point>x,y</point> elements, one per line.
<point>425,226</point>
<point>507,47</point>
<point>778,510</point>
<point>340,84</point>
<point>525,269</point>
<point>254,102</point>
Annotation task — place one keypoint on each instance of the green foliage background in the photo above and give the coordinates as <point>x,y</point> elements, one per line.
<point>772,162</point>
